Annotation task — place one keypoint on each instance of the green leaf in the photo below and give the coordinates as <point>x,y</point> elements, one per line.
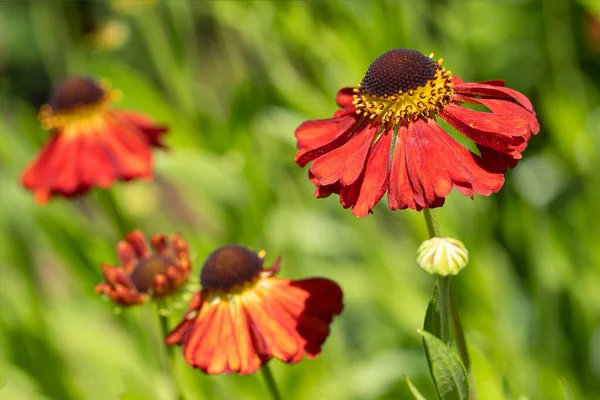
<point>415,392</point>
<point>448,372</point>
<point>433,319</point>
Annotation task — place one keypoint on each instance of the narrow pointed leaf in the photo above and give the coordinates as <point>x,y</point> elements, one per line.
<point>415,392</point>
<point>433,319</point>
<point>448,372</point>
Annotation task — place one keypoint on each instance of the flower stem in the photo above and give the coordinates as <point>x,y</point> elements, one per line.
<point>443,282</point>
<point>164,329</point>
<point>432,224</point>
<point>270,382</point>
<point>449,310</point>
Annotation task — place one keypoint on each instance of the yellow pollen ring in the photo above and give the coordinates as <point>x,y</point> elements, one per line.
<point>410,105</point>
<point>81,115</point>
<point>227,295</point>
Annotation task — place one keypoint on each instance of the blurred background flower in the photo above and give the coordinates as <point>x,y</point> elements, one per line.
<point>233,80</point>
<point>245,316</point>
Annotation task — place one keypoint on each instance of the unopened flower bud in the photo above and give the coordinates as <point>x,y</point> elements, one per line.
<point>442,256</point>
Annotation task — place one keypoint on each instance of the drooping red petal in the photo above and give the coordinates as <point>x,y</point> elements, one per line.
<point>315,138</point>
<point>503,107</point>
<point>502,132</point>
<point>374,183</point>
<point>130,153</point>
<point>400,194</point>
<point>323,191</point>
<point>496,91</point>
<point>423,173</point>
<point>95,164</point>
<point>468,172</point>
<point>345,163</point>
<point>428,162</point>
<point>153,133</point>
<point>54,171</point>
<point>276,329</point>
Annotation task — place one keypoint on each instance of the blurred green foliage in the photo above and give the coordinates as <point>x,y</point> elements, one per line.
<point>233,79</point>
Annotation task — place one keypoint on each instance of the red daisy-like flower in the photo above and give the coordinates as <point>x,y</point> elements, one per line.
<point>91,144</point>
<point>143,275</point>
<point>244,316</point>
<point>385,137</point>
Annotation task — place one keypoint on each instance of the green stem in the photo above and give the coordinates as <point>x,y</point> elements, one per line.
<point>270,382</point>
<point>443,282</point>
<point>164,330</point>
<point>449,311</point>
<point>432,224</point>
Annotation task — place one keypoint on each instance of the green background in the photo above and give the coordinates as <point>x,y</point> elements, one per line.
<point>232,80</point>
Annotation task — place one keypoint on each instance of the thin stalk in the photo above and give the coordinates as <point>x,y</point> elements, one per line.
<point>164,330</point>
<point>443,282</point>
<point>449,311</point>
<point>270,382</point>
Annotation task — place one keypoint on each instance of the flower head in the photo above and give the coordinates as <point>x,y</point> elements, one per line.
<point>91,143</point>
<point>142,274</point>
<point>385,137</point>
<point>244,316</point>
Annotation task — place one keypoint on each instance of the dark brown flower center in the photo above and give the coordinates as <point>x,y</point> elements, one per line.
<point>398,71</point>
<point>75,91</point>
<point>146,270</point>
<point>229,266</point>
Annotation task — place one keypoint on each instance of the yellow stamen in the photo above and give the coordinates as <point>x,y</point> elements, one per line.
<point>81,117</point>
<point>410,105</point>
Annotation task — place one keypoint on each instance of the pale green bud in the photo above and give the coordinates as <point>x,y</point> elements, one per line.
<point>442,256</point>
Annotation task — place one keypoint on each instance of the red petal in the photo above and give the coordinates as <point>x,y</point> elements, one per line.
<point>152,132</point>
<point>130,153</point>
<point>422,154</point>
<point>95,164</point>
<point>374,184</point>
<point>400,194</point>
<point>483,89</point>
<point>345,98</point>
<point>137,240</point>
<point>504,132</point>
<point>503,107</point>
<point>345,163</point>
<point>317,137</point>
<point>275,327</point>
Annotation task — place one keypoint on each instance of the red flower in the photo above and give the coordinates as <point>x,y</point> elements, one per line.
<point>142,274</point>
<point>91,143</point>
<point>385,136</point>
<point>244,316</point>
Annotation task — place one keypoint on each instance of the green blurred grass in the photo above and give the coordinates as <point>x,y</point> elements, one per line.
<point>233,80</point>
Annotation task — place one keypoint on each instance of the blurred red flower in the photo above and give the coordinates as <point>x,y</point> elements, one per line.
<point>142,275</point>
<point>244,316</point>
<point>385,137</point>
<point>91,143</point>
